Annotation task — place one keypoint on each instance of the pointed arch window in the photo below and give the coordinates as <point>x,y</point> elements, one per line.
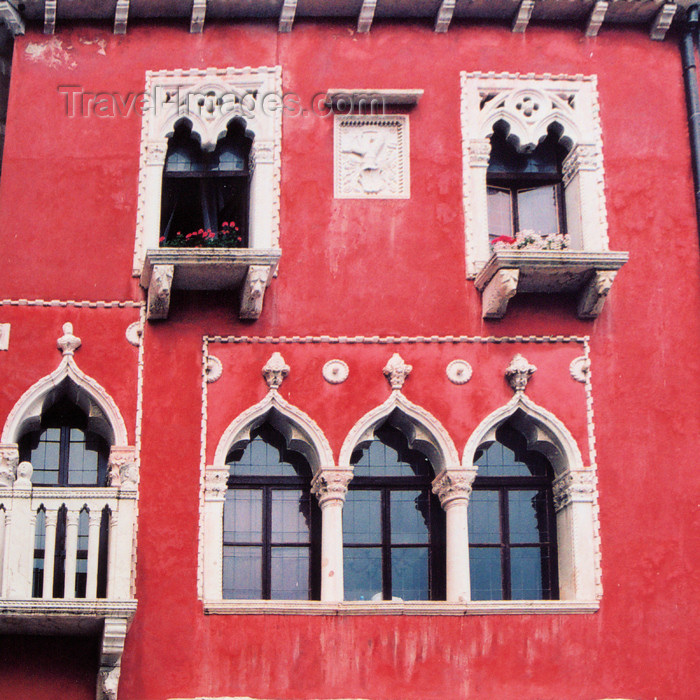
<point>205,195</point>
<point>512,524</point>
<point>271,527</point>
<point>393,525</point>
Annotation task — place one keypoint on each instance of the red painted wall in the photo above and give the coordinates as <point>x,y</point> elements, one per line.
<point>68,206</point>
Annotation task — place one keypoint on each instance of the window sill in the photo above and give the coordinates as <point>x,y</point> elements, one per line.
<point>248,269</point>
<point>498,607</point>
<point>510,272</point>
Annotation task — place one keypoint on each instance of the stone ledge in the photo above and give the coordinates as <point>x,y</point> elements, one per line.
<point>508,272</point>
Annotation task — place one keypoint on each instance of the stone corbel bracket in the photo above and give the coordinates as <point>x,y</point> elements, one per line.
<point>113,637</point>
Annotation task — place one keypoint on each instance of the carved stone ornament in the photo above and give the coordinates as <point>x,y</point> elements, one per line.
<point>579,368</point>
<point>159,291</point>
<point>595,293</point>
<point>396,371</point>
<point>134,332</point>
<point>455,484</point>
<point>335,371</point>
<point>459,371</point>
<point>122,468</point>
<point>253,291</point>
<point>68,343</point>
<point>9,459</point>
<point>331,484</point>
<point>24,475</point>
<point>275,371</point>
<point>213,369</point>
<point>109,682</point>
<point>575,486</point>
<point>215,483</point>
<point>518,373</point>
<point>499,291</point>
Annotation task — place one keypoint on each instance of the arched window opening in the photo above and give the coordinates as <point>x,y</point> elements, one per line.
<point>81,564</point>
<point>524,189</point>
<point>271,533</point>
<point>103,553</point>
<point>512,527</point>
<point>63,452</point>
<point>39,553</point>
<point>393,525</point>
<point>205,196</point>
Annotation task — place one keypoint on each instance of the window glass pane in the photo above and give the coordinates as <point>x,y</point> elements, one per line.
<point>409,573</point>
<point>82,461</point>
<point>410,517</point>
<point>81,563</point>
<point>45,457</point>
<point>289,573</point>
<point>526,573</point>
<point>362,567</point>
<point>262,458</point>
<point>499,212</point>
<point>484,517</point>
<point>242,572</point>
<point>537,209</point>
<point>528,516</point>
<point>498,460</point>
<point>291,516</point>
<point>389,455</point>
<point>39,550</point>
<point>485,573</point>
<point>243,516</point>
<point>362,521</point>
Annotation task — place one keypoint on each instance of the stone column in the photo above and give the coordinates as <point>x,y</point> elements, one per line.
<point>93,552</point>
<point>330,485</point>
<point>215,487</point>
<point>71,552</point>
<point>49,551</point>
<point>453,487</point>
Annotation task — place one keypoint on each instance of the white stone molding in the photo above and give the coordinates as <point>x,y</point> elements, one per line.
<point>529,105</point>
<point>518,373</point>
<point>522,16</point>
<point>9,459</point>
<point>4,336</point>
<point>289,9</point>
<point>213,369</point>
<point>253,291</point>
<point>459,371</point>
<point>121,16</point>
<point>444,15</point>
<point>68,343</point>
<point>574,490</point>
<point>335,371</point>
<point>580,368</point>
<point>364,21</point>
<point>371,157</point>
<point>134,333</point>
<point>423,431</point>
<point>113,637</point>
<point>596,18</point>
<point>49,16</point>
<point>11,18</point>
<point>498,292</point>
<point>208,100</point>
<point>662,21</point>
<point>367,101</point>
<point>123,468</point>
<point>396,371</point>
<point>199,13</point>
<point>159,291</point>
<point>595,293</point>
<point>275,371</point>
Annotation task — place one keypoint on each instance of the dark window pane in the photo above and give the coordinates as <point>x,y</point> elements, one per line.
<point>485,573</point>
<point>526,573</point>
<point>362,573</point>
<point>410,517</point>
<point>103,553</point>
<point>537,209</point>
<point>289,573</point>
<point>243,516</point>
<point>291,516</point>
<point>500,212</point>
<point>39,550</point>
<point>484,517</point>
<point>389,455</point>
<point>528,521</point>
<point>82,554</point>
<point>409,573</point>
<point>242,572</point>
<point>498,460</point>
<point>362,521</point>
<point>266,455</point>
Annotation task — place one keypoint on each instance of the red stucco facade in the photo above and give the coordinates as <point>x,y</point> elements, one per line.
<point>393,272</point>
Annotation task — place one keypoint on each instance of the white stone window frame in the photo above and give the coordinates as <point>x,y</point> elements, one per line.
<point>399,124</point>
<point>209,99</point>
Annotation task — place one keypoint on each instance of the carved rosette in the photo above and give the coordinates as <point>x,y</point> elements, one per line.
<point>331,484</point>
<point>68,343</point>
<point>213,369</point>
<point>215,483</point>
<point>453,485</point>
<point>134,332</point>
<point>9,459</point>
<point>335,371</point>
<point>579,369</point>
<point>573,487</point>
<point>396,371</point>
<point>122,469</point>
<point>518,373</point>
<point>275,371</point>
<point>459,371</point>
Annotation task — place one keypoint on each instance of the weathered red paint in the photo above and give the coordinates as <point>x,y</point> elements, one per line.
<point>68,203</point>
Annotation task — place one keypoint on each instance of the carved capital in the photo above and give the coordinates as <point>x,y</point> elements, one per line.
<point>68,343</point>
<point>453,485</point>
<point>275,370</point>
<point>581,157</point>
<point>9,459</point>
<point>159,291</point>
<point>595,293</point>
<point>573,487</point>
<point>518,373</point>
<point>397,371</point>
<point>331,484</point>
<point>155,152</point>
<point>498,292</point>
<point>215,483</point>
<point>479,153</point>
<point>122,468</point>
<point>253,291</point>
<point>262,152</point>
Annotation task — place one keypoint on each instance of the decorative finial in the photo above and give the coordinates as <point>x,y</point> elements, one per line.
<point>396,371</point>
<point>68,343</point>
<point>519,372</point>
<point>275,371</point>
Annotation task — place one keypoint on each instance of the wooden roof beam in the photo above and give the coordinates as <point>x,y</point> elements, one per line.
<point>199,12</point>
<point>662,21</point>
<point>522,16</point>
<point>289,9</point>
<point>444,16</point>
<point>364,21</point>
<point>596,18</point>
<point>121,16</point>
